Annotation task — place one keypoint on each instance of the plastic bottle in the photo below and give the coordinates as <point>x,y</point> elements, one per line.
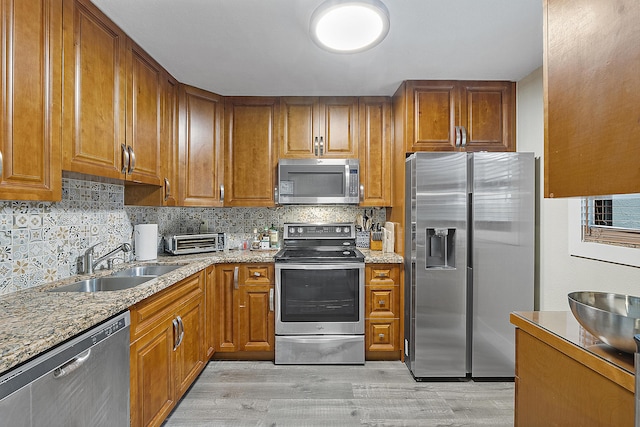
<point>273,237</point>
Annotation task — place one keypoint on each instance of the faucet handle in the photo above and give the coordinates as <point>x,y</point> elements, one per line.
<point>90,249</point>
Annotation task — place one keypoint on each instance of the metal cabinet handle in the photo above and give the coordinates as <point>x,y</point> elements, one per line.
<point>181,329</point>
<point>276,196</point>
<point>167,189</point>
<point>72,365</point>
<point>458,136</point>
<point>315,145</point>
<point>235,277</point>
<point>1,164</point>
<point>271,300</point>
<point>463,132</point>
<point>381,336</point>
<point>321,146</point>
<point>221,193</point>
<point>257,273</point>
<point>132,159</point>
<point>381,302</point>
<point>176,333</point>
<point>125,158</point>
<point>362,192</point>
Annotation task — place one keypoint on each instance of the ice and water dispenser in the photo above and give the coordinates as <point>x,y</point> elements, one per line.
<point>441,248</point>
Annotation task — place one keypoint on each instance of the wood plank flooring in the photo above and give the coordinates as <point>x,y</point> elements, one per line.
<point>230,393</point>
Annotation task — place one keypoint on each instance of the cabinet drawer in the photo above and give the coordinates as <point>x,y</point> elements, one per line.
<point>256,275</point>
<point>381,301</point>
<point>381,335</point>
<point>148,313</point>
<point>382,274</point>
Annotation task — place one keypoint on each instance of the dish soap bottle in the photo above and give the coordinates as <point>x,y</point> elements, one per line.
<point>255,244</point>
<point>273,237</point>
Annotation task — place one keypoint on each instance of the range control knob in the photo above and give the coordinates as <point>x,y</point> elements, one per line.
<point>300,230</point>
<point>292,230</point>
<point>338,229</point>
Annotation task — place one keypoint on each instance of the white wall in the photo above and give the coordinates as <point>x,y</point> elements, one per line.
<point>559,272</point>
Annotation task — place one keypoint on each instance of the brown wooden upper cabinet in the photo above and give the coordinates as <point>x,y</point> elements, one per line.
<point>592,85</point>
<point>375,150</point>
<point>169,141</point>
<point>200,152</point>
<point>111,99</point>
<point>31,111</point>
<point>457,115</point>
<point>319,127</point>
<point>250,150</point>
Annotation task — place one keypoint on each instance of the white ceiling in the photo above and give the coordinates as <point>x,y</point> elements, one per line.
<point>263,47</point>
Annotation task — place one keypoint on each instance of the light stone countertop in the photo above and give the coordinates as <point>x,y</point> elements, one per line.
<point>33,320</point>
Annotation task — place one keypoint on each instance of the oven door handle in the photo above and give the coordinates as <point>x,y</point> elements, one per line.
<point>271,300</point>
<point>235,277</point>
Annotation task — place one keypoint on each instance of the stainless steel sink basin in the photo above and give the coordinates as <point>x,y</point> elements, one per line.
<point>106,283</point>
<point>613,318</point>
<point>146,270</point>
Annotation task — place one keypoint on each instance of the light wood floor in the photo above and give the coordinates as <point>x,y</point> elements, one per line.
<point>377,394</point>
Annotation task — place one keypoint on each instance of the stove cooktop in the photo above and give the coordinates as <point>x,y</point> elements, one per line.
<point>319,255</point>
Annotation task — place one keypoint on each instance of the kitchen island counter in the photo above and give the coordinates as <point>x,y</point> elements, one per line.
<point>33,320</point>
<point>566,376</point>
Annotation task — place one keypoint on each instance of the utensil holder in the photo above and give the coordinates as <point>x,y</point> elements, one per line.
<point>362,239</point>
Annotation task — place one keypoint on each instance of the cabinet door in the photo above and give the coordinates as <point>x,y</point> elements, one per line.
<point>319,127</point>
<point>190,352</point>
<point>375,150</point>
<point>431,116</point>
<point>144,89</point>
<point>201,166</point>
<point>338,127</point>
<point>250,151</point>
<point>169,141</point>
<point>226,300</point>
<point>257,319</point>
<point>592,93</point>
<point>31,113</point>
<point>488,115</point>
<point>210,311</point>
<point>298,127</point>
<point>94,91</point>
<point>152,376</point>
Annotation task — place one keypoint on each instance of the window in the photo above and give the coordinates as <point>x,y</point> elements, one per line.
<point>612,220</point>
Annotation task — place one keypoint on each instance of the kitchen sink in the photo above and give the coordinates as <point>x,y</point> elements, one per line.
<point>146,270</point>
<point>106,283</point>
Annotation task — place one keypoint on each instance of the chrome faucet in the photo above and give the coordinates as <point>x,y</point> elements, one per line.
<point>89,264</point>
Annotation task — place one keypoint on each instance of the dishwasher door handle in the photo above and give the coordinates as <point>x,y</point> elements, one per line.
<point>71,365</point>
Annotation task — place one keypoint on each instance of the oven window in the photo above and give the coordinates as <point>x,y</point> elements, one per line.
<point>319,295</point>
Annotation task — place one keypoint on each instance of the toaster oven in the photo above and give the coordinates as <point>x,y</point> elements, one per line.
<point>181,244</point>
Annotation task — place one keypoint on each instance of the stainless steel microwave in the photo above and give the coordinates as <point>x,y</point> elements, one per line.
<point>318,181</point>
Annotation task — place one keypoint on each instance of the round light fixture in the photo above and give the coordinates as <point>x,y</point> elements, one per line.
<point>346,26</point>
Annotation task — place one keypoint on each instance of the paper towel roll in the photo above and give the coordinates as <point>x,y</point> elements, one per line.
<point>145,241</point>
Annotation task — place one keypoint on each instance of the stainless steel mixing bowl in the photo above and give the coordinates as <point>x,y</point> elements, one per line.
<point>613,318</point>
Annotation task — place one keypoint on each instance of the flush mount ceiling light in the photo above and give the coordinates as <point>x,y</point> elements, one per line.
<point>349,26</point>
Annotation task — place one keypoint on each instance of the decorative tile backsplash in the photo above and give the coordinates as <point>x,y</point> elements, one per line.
<point>42,241</point>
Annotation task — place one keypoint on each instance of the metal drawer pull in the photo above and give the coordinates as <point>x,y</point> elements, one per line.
<point>381,336</point>
<point>181,326</point>
<point>132,159</point>
<point>256,273</point>
<point>167,189</point>
<point>235,278</point>
<point>72,365</point>
<point>381,302</point>
<point>125,158</point>
<point>175,334</point>
<point>271,300</point>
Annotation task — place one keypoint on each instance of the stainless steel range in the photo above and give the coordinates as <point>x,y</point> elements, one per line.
<point>319,296</point>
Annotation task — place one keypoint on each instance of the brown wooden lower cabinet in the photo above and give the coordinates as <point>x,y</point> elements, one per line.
<point>382,312</point>
<point>167,348</point>
<point>244,300</point>
<point>556,389</point>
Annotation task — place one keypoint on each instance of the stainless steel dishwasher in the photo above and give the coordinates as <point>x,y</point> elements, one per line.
<point>82,382</point>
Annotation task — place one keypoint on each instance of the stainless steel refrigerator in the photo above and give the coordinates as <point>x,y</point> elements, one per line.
<point>469,261</point>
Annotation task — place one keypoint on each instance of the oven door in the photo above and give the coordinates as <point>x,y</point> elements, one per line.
<point>319,299</point>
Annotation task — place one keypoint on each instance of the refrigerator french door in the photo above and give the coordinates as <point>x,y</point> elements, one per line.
<point>469,260</point>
